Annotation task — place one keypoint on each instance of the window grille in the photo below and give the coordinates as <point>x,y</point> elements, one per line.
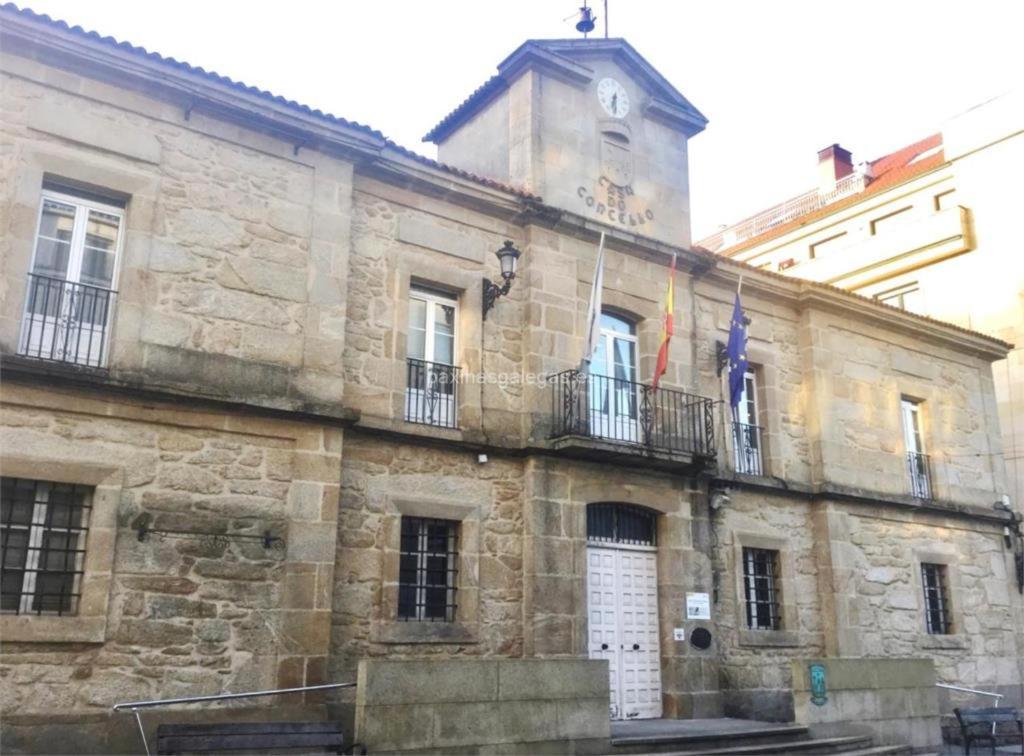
<point>936,599</point>
<point>427,569</point>
<point>43,530</point>
<point>761,586</point>
<point>621,523</point>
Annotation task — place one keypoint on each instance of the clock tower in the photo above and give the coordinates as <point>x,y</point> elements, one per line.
<point>588,125</point>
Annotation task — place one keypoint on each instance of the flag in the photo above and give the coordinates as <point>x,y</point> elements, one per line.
<point>593,327</point>
<point>667,326</point>
<point>737,353</point>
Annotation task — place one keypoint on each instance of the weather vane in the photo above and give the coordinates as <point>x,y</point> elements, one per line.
<point>587,19</point>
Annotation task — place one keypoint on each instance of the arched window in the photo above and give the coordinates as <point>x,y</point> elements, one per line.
<point>621,523</point>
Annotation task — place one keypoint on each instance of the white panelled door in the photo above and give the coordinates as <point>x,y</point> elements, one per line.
<point>622,609</point>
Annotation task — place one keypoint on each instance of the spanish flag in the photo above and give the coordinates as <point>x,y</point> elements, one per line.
<point>667,327</point>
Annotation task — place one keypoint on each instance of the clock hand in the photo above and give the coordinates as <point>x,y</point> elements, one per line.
<point>615,104</point>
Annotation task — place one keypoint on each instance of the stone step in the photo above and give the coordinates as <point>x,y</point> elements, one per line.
<point>844,744</point>
<point>895,750</point>
<point>713,736</point>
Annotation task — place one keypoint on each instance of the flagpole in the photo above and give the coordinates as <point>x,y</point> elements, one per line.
<point>739,286</point>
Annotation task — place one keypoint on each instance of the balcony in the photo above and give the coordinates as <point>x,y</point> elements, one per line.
<point>431,394</point>
<point>920,477</point>
<point>747,446</point>
<point>595,413</point>
<point>66,322</point>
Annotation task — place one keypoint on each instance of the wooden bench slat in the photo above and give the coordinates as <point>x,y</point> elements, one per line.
<point>243,728</point>
<point>253,741</point>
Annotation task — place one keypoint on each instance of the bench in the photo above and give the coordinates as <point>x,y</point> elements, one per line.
<point>249,736</point>
<point>981,724</point>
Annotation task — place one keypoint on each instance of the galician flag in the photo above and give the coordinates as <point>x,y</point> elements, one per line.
<point>737,352</point>
<point>667,326</point>
<point>593,326</point>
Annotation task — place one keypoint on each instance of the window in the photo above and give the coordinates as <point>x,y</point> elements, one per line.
<point>70,298</point>
<point>614,392</point>
<point>621,523</point>
<point>761,588</point>
<point>431,394</point>
<point>906,297</point>
<point>42,539</point>
<point>892,220</point>
<point>746,431</point>
<point>936,599</point>
<point>913,439</point>
<point>831,244</point>
<point>427,569</point>
<point>945,199</point>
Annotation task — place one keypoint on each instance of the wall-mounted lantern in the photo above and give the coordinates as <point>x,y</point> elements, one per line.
<point>508,257</point>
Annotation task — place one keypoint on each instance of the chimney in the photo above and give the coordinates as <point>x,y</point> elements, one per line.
<point>833,164</point>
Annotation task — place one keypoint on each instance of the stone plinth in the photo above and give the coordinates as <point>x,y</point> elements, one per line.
<point>508,705</point>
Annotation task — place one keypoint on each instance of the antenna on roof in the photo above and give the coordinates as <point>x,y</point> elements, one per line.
<point>606,19</point>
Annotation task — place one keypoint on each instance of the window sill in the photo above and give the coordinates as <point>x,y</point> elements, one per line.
<point>776,638</point>
<point>30,628</point>
<point>425,632</point>
<point>949,641</point>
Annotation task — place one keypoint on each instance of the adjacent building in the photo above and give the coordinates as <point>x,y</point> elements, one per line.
<point>931,228</point>
<point>266,414</point>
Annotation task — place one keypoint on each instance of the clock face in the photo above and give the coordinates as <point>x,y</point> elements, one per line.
<point>613,98</point>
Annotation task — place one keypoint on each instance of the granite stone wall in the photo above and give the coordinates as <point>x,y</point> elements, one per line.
<point>187,615</point>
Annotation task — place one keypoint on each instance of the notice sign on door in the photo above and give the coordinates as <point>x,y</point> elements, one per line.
<point>698,606</point>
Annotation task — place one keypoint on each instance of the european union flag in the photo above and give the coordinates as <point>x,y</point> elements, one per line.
<point>737,353</point>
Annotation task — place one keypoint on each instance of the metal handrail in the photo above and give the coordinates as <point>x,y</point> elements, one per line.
<point>134,706</point>
<point>996,696</point>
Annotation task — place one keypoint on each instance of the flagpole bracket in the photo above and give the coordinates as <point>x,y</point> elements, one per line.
<point>721,356</point>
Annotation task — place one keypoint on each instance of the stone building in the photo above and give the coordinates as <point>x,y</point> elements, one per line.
<point>258,427</point>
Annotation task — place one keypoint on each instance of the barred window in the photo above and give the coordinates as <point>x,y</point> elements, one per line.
<point>936,599</point>
<point>621,523</point>
<point>761,586</point>
<point>427,569</point>
<point>43,527</point>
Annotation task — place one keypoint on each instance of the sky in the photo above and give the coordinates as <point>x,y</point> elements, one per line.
<point>777,80</point>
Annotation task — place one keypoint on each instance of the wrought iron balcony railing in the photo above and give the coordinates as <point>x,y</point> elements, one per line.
<point>747,444</point>
<point>613,409</point>
<point>431,394</point>
<point>66,322</point>
<point>920,475</point>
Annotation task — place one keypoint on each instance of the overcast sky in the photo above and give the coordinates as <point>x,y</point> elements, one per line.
<point>777,80</point>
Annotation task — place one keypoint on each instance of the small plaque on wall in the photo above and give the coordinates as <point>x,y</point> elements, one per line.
<point>698,606</point>
<point>678,634</point>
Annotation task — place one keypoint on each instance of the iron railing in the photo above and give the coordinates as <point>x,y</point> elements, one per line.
<point>747,442</point>
<point>784,212</point>
<point>920,477</point>
<point>627,412</point>
<point>432,396</point>
<point>66,321</point>
<point>134,706</point>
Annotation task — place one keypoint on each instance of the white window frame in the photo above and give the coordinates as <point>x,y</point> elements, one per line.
<point>747,413</point>
<point>897,297</point>
<point>420,405</point>
<point>913,426</point>
<point>432,298</point>
<point>76,254</point>
<point>617,426</point>
<point>913,441</point>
